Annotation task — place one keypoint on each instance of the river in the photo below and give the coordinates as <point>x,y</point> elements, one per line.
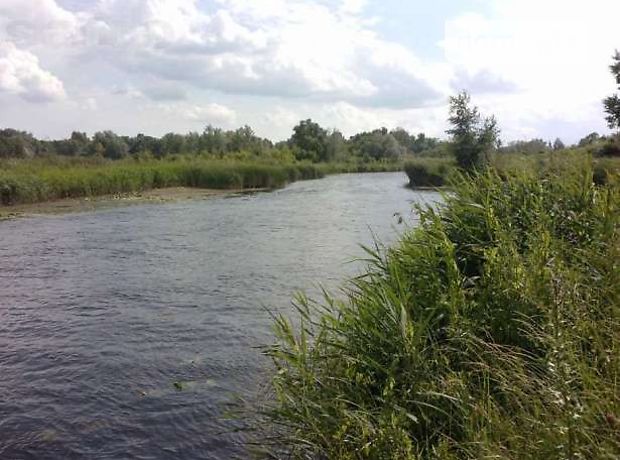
<point>125,332</point>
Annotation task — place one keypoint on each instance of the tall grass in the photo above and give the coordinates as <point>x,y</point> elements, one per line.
<point>43,179</point>
<point>490,331</point>
<point>28,182</point>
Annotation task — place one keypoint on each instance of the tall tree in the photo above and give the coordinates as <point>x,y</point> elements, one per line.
<point>310,141</point>
<point>612,103</point>
<point>473,137</point>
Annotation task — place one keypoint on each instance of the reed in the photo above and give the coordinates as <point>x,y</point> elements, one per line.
<point>35,181</point>
<point>490,331</point>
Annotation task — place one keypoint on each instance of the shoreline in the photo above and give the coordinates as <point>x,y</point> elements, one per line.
<point>94,203</point>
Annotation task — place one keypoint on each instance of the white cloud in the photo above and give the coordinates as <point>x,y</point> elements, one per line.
<point>555,53</point>
<point>540,67</point>
<point>262,47</point>
<point>21,74</point>
<point>353,6</point>
<point>215,114</point>
<point>32,22</point>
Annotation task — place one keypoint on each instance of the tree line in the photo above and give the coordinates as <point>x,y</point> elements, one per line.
<point>309,141</point>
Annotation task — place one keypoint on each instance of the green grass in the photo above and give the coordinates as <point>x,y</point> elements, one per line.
<point>44,179</point>
<point>490,331</point>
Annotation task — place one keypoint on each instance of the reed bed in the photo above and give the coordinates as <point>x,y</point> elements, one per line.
<point>490,331</point>
<point>51,178</point>
<point>24,183</point>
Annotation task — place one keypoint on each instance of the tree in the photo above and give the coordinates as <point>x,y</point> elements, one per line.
<point>558,144</point>
<point>337,148</point>
<point>309,141</point>
<point>473,137</point>
<point>109,145</point>
<point>377,145</point>
<point>532,146</point>
<point>589,139</point>
<point>612,103</point>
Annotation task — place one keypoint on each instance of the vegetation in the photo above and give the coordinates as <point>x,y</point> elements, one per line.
<point>490,331</point>
<point>429,172</point>
<point>26,182</point>
<point>309,142</point>
<point>612,103</point>
<point>43,179</point>
<point>473,138</point>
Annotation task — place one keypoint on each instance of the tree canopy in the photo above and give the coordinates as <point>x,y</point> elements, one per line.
<point>473,137</point>
<point>612,103</point>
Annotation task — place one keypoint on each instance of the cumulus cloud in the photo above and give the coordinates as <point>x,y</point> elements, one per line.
<point>32,22</point>
<point>532,63</point>
<point>21,74</point>
<point>262,47</point>
<point>215,114</point>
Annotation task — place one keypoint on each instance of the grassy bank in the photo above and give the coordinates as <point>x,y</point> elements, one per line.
<point>491,331</point>
<point>436,172</point>
<point>31,181</point>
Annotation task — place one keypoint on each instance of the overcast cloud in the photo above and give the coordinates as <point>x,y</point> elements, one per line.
<point>155,66</point>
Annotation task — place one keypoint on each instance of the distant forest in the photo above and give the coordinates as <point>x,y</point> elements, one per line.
<point>309,142</point>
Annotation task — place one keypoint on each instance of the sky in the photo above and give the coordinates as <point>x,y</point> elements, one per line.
<point>157,66</point>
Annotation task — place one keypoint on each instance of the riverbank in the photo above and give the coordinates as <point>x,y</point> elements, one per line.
<point>51,179</point>
<point>70,205</point>
<point>437,171</point>
<point>490,331</point>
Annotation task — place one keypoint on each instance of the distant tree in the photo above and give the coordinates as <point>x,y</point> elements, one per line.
<point>173,144</point>
<point>377,145</point>
<point>473,137</point>
<point>612,103</point>
<point>530,147</point>
<point>558,144</point>
<point>109,145</point>
<point>213,140</point>
<point>14,143</point>
<point>403,137</point>
<point>79,143</point>
<point>337,148</point>
<point>589,139</point>
<point>309,141</point>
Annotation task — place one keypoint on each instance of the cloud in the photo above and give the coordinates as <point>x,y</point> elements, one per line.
<point>558,51</point>
<point>482,82</point>
<point>292,49</point>
<point>31,22</point>
<point>165,92</point>
<point>215,114</point>
<point>21,74</point>
<point>353,6</point>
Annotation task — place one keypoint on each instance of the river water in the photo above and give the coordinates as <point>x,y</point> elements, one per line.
<point>101,313</point>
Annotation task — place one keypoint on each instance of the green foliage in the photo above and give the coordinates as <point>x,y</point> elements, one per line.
<point>310,141</point>
<point>490,331</point>
<point>377,145</point>
<point>612,103</point>
<point>428,172</point>
<point>473,138</point>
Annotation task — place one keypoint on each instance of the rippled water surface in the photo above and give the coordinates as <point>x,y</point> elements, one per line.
<point>102,312</point>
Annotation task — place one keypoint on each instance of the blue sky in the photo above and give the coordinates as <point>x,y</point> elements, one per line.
<point>156,66</point>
